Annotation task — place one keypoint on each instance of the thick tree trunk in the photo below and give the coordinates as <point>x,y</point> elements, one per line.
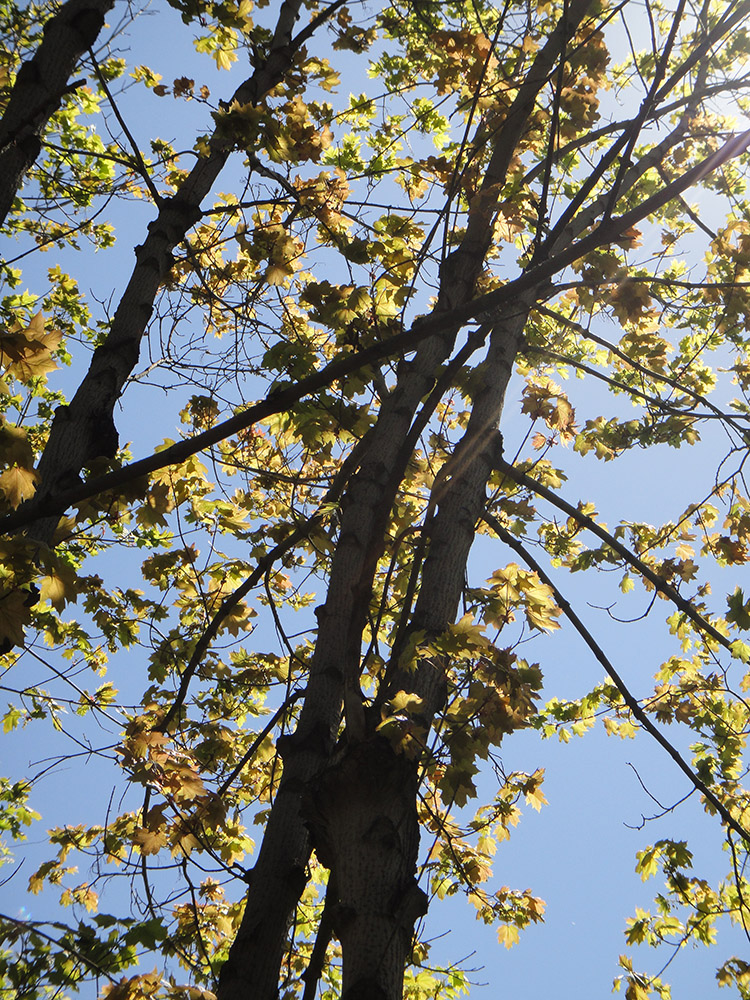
<point>363,814</point>
<point>40,86</point>
<point>334,675</point>
<point>363,810</point>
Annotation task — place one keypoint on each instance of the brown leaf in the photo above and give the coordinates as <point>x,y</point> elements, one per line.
<point>630,238</point>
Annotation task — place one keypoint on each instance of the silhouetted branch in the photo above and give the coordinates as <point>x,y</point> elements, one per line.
<point>630,700</point>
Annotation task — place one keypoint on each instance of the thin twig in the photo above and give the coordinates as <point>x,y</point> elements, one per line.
<point>630,700</point>
<point>142,168</point>
<point>657,581</point>
<point>316,964</point>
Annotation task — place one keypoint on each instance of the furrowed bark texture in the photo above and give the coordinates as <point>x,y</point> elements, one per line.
<point>40,86</point>
<point>363,812</point>
<point>381,832</point>
<point>85,430</point>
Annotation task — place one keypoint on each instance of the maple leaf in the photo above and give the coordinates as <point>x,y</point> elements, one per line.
<point>532,790</point>
<point>14,445</point>
<point>630,238</point>
<point>18,484</point>
<point>58,586</point>
<point>14,615</point>
<point>507,935</point>
<point>135,988</point>
<point>27,352</point>
<point>150,841</point>
<point>739,609</point>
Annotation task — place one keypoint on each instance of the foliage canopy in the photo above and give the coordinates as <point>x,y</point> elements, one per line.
<point>390,221</point>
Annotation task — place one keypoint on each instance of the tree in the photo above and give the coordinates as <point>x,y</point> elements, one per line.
<point>523,192</point>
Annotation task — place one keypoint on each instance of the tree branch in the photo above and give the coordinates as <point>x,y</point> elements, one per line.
<point>142,168</point>
<point>311,975</point>
<point>660,404</point>
<point>263,566</point>
<point>728,418</point>
<point>483,308</point>
<point>40,86</point>
<point>659,583</point>
<point>627,697</point>
<point>253,748</point>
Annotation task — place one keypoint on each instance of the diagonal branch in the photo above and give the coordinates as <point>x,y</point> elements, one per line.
<point>84,430</point>
<point>253,748</point>
<point>658,582</point>
<point>316,964</point>
<point>718,413</point>
<point>630,700</point>
<point>483,307</point>
<point>645,109</point>
<point>264,564</point>
<point>660,404</point>
<point>34,927</point>
<point>142,168</point>
<point>461,268</point>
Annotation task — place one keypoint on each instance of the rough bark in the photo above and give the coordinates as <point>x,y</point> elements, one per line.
<point>40,86</point>
<point>364,817</point>
<point>363,814</point>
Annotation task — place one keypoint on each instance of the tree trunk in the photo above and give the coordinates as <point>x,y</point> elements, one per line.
<point>380,823</point>
<point>40,86</point>
<point>85,429</point>
<point>363,815</point>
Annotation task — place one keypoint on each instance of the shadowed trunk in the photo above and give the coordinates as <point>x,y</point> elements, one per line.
<point>382,826</point>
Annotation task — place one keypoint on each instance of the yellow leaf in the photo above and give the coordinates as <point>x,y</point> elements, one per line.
<point>59,586</point>
<point>536,799</point>
<point>507,935</point>
<point>403,701</point>
<point>630,238</point>
<point>224,58</point>
<point>135,988</point>
<point>276,275</point>
<point>18,484</point>
<point>14,445</point>
<point>25,353</point>
<point>149,841</point>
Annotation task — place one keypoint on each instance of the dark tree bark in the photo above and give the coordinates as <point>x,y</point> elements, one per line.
<point>40,86</point>
<point>85,429</point>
